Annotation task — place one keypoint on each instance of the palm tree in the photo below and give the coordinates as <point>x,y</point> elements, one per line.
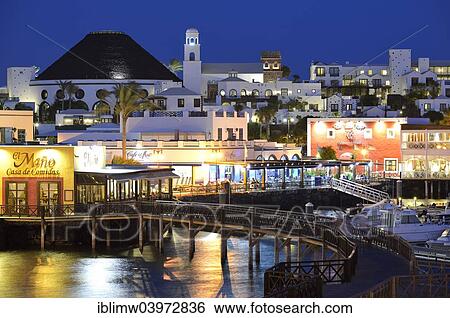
<point>175,66</point>
<point>238,107</point>
<point>265,116</point>
<point>129,100</point>
<point>63,87</point>
<point>71,89</point>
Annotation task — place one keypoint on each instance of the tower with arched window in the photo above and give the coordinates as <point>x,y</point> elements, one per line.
<point>192,65</point>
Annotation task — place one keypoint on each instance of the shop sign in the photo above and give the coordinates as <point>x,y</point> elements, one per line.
<point>28,164</point>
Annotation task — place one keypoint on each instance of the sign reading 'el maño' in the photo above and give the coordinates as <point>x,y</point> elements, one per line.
<point>29,164</point>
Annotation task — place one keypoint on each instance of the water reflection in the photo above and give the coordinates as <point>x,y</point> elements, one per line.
<point>132,274</point>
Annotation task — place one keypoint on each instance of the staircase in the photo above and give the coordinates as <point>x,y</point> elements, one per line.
<point>358,190</point>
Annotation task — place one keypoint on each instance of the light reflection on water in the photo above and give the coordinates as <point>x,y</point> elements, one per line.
<point>130,274</point>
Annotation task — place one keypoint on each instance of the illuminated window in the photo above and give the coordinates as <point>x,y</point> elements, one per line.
<point>243,92</point>
<point>426,106</point>
<point>348,106</point>
<point>320,71</point>
<point>299,91</point>
<point>363,82</point>
<point>233,93</point>
<point>268,92</point>
<point>443,107</point>
<point>390,133</point>
<point>370,72</point>
<point>313,91</point>
<point>284,92</point>
<point>388,83</point>
<point>334,107</point>
<point>276,66</point>
<point>266,66</point>
<point>222,92</point>
<point>390,164</point>
<point>180,102</point>
<point>255,92</point>
<point>383,72</point>
<point>361,72</point>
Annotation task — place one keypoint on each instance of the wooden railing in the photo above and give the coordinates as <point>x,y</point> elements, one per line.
<point>423,286</point>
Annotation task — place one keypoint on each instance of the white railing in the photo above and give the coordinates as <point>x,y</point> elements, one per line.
<point>358,190</point>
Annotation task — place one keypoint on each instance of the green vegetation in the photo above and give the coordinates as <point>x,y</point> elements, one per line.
<point>327,153</point>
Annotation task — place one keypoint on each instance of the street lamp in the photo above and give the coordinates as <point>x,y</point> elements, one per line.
<point>288,120</point>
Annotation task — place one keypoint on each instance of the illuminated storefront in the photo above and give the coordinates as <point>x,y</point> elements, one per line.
<point>36,176</point>
<point>373,139</point>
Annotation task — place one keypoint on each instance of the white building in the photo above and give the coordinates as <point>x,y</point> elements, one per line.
<point>438,104</point>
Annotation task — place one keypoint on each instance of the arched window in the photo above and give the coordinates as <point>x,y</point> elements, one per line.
<point>255,92</point>
<point>243,92</point>
<point>295,157</point>
<point>192,56</point>
<point>233,93</point>
<point>44,94</point>
<point>60,94</point>
<point>268,92</point>
<point>196,41</point>
<point>261,158</point>
<point>44,112</point>
<point>192,41</point>
<point>222,92</point>
<point>272,157</point>
<point>284,158</point>
<point>101,108</point>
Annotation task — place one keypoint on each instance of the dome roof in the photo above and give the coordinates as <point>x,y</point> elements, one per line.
<point>192,30</point>
<point>107,55</point>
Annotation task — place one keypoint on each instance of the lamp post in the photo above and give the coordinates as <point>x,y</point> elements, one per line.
<point>288,120</point>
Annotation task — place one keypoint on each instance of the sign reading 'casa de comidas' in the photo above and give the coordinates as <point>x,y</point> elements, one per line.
<point>29,164</point>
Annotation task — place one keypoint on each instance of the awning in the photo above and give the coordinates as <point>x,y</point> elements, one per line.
<point>99,177</point>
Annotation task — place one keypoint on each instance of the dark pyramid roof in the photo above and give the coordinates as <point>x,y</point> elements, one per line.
<point>107,55</point>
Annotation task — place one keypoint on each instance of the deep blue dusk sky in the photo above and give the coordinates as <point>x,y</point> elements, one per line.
<point>230,30</point>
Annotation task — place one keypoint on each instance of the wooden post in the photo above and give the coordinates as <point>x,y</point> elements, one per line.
<point>93,234</point>
<point>42,232</point>
<point>250,243</point>
<point>288,250</point>
<point>191,238</point>
<point>276,249</point>
<point>108,235</point>
<point>141,233</point>
<point>161,234</point>
<point>258,251</point>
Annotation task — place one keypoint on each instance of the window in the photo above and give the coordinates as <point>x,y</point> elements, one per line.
<point>233,93</point>
<point>44,94</point>
<point>268,92</point>
<point>48,194</point>
<point>241,133</point>
<point>79,94</point>
<point>334,83</point>
<point>443,107</point>
<point>314,107</point>
<point>21,135</point>
<point>447,92</point>
<point>427,106</point>
<point>388,83</point>
<point>390,133</point>
<point>299,91</point>
<point>276,66</point>
<point>243,92</point>
<point>363,82</point>
<point>222,92</point>
<point>320,71</point>
<point>383,72</point>
<point>143,93</point>
<point>368,133</point>
<point>313,91</point>
<point>348,106</point>
<point>192,56</point>
<point>284,92</point>
<point>330,133</point>
<point>180,102</point>
<point>361,72</point>
<point>370,72</point>
<point>414,81</point>
<point>16,194</point>
<point>334,107</point>
<point>60,94</point>
<point>376,82</point>
<point>266,66</point>
<point>255,92</point>
<point>219,133</point>
<point>161,103</point>
<point>429,81</point>
<point>334,71</point>
<point>390,164</point>
<point>197,102</point>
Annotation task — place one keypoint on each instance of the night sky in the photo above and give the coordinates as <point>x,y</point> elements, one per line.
<point>230,30</point>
